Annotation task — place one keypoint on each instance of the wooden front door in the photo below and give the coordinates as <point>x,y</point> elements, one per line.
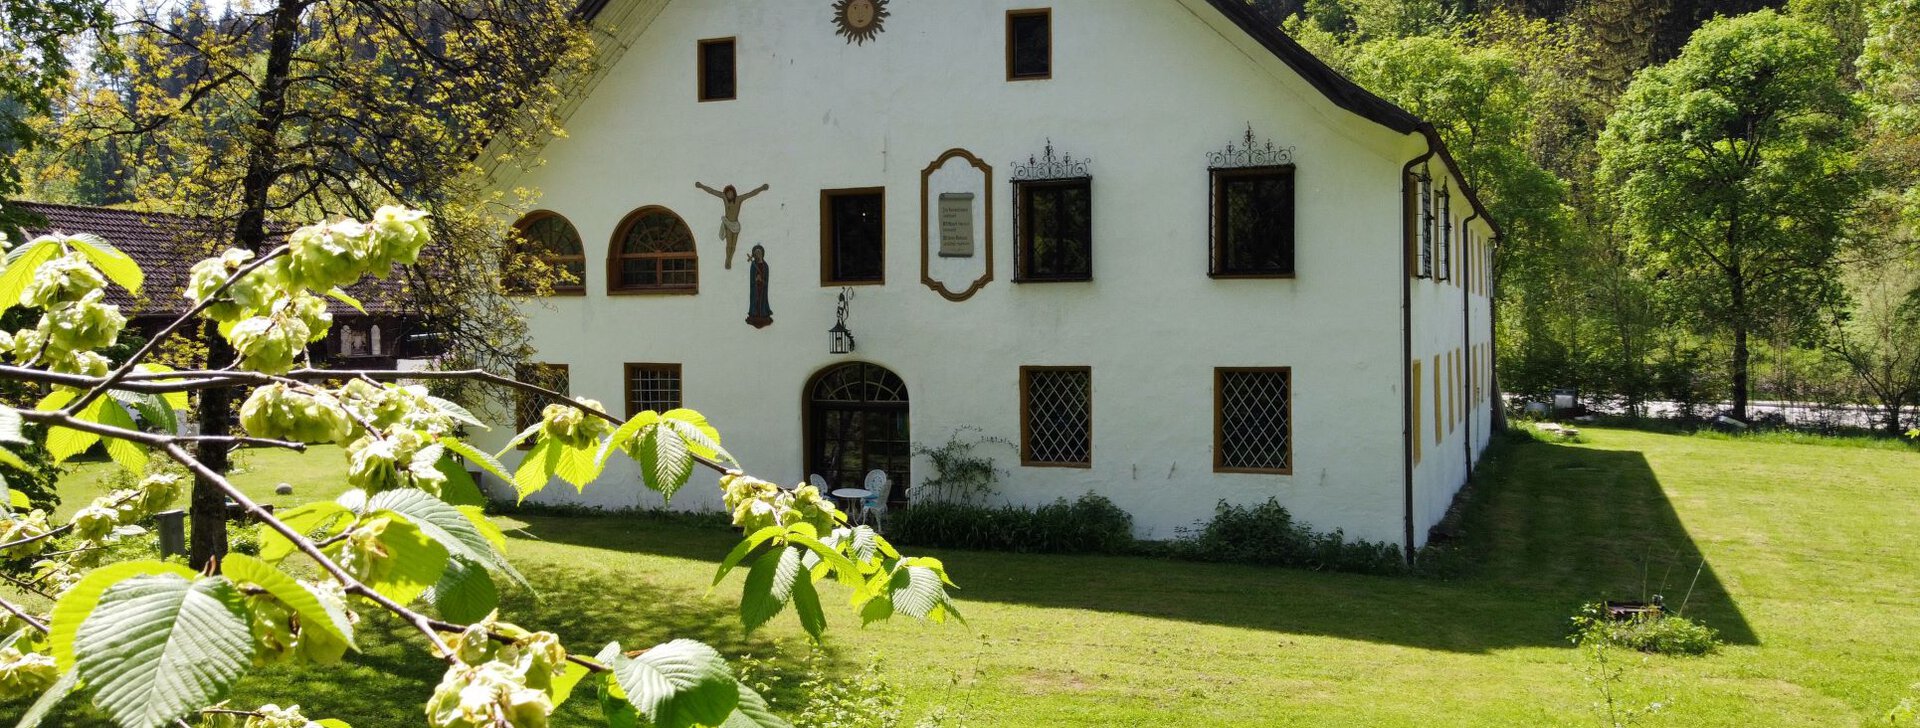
<point>857,423</point>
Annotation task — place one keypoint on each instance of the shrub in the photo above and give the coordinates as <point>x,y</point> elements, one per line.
<point>1090,524</point>
<point>862,700</point>
<point>959,474</point>
<point>1267,534</point>
<point>1655,632</point>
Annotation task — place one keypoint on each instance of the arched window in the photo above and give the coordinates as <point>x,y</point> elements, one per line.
<point>550,237</point>
<point>652,252</point>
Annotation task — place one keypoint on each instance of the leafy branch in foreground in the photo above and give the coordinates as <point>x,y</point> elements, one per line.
<point>156,643</point>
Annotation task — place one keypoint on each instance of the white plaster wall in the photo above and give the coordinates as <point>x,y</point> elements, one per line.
<point>1145,89</point>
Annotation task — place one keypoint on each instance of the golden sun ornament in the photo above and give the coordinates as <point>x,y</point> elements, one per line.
<point>859,20</point>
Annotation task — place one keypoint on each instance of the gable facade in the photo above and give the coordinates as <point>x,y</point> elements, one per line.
<point>1157,375</point>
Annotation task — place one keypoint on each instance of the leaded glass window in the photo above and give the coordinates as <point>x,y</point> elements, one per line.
<point>1253,420</point>
<point>1056,408</point>
<point>654,252</point>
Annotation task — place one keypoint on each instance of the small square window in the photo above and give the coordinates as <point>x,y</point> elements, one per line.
<point>1056,230</point>
<point>716,70</point>
<point>853,236</point>
<point>527,406</point>
<point>1253,222</point>
<point>1253,420</point>
<point>1029,44</point>
<point>1056,416</point>
<point>652,387</point>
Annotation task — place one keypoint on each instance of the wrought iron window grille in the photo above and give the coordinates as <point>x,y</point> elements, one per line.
<point>1253,420</point>
<point>1038,173</point>
<point>1249,152</point>
<point>1426,226</point>
<point>1445,224</point>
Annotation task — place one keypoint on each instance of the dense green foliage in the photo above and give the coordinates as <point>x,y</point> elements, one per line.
<point>1661,634</point>
<point>1090,524</point>
<point>1267,534</point>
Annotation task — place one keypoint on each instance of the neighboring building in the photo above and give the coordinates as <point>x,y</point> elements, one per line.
<point>167,245</point>
<point>1167,254</point>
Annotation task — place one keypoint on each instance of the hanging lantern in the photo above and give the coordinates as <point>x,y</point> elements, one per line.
<point>839,339</point>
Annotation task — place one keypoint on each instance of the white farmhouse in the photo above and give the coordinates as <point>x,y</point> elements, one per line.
<point>1169,256</point>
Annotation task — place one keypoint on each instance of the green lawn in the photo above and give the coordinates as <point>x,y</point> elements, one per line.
<point>1810,565</point>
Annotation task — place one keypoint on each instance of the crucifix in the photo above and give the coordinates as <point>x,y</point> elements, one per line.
<point>730,219</point>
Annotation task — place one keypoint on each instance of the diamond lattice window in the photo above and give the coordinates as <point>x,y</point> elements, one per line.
<point>1056,404</point>
<point>652,387</point>
<point>527,407</point>
<point>1253,420</point>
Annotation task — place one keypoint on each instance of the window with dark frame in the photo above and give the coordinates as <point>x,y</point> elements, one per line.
<point>1055,239</point>
<point>653,252</point>
<point>652,387</point>
<point>1444,271</point>
<point>527,406</point>
<point>1056,416</point>
<point>554,240</point>
<point>1253,420</point>
<point>1253,225</point>
<point>853,236</point>
<point>1029,44</point>
<point>717,69</point>
<point>1426,228</point>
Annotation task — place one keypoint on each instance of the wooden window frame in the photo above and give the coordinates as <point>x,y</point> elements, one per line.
<point>826,235</point>
<point>1026,418</point>
<point>1219,419</point>
<point>521,374</point>
<point>680,383</point>
<point>700,79</point>
<point>1417,412</point>
<point>1029,13</point>
<point>1217,219</point>
<point>1423,226</point>
<point>616,258</point>
<point>1443,246</point>
<point>1023,237</point>
<point>573,289</point>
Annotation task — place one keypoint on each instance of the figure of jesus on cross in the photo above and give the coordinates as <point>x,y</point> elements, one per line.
<point>730,221</point>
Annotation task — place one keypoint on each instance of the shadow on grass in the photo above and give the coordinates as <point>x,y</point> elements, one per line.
<point>1550,528</point>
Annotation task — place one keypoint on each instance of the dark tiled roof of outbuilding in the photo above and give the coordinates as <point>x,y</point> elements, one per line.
<point>166,245</point>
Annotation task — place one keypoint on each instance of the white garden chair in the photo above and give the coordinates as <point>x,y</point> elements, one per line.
<point>874,510</point>
<point>818,482</point>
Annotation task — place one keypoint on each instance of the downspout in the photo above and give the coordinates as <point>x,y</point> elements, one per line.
<point>1409,251</point>
<point>1466,345</point>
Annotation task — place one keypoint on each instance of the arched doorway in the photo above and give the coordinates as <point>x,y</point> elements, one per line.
<point>857,422</point>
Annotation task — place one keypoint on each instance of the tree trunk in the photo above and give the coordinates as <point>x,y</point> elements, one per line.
<point>209,505</point>
<point>1893,417</point>
<point>250,232</point>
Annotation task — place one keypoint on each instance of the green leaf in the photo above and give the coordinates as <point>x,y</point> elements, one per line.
<point>331,723</point>
<point>417,562</point>
<point>21,265</point>
<point>11,460</point>
<point>626,432</point>
<point>174,400</point>
<point>563,684</point>
<point>160,647</point>
<point>55,693</point>
<point>129,454</point>
<point>577,465</point>
<point>10,425</point>
<point>679,684</point>
<point>740,552</point>
<point>327,517</point>
<point>770,585</point>
<point>613,701</point>
<point>317,622</point>
<point>918,592</point>
<point>79,600</point>
<point>536,469</point>
<point>486,526</point>
<point>844,568</point>
<point>806,604</point>
<point>17,499</point>
<point>341,296</point>
<point>117,266</point>
<point>474,455</point>
<point>459,490</point>
<point>702,439</point>
<point>447,526</point>
<point>65,442</point>
<point>152,407</point>
<point>665,462</point>
<point>465,593</point>
<point>754,713</point>
<point>517,439</point>
<point>457,412</point>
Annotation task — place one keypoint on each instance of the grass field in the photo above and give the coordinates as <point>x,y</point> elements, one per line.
<point>1805,554</point>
